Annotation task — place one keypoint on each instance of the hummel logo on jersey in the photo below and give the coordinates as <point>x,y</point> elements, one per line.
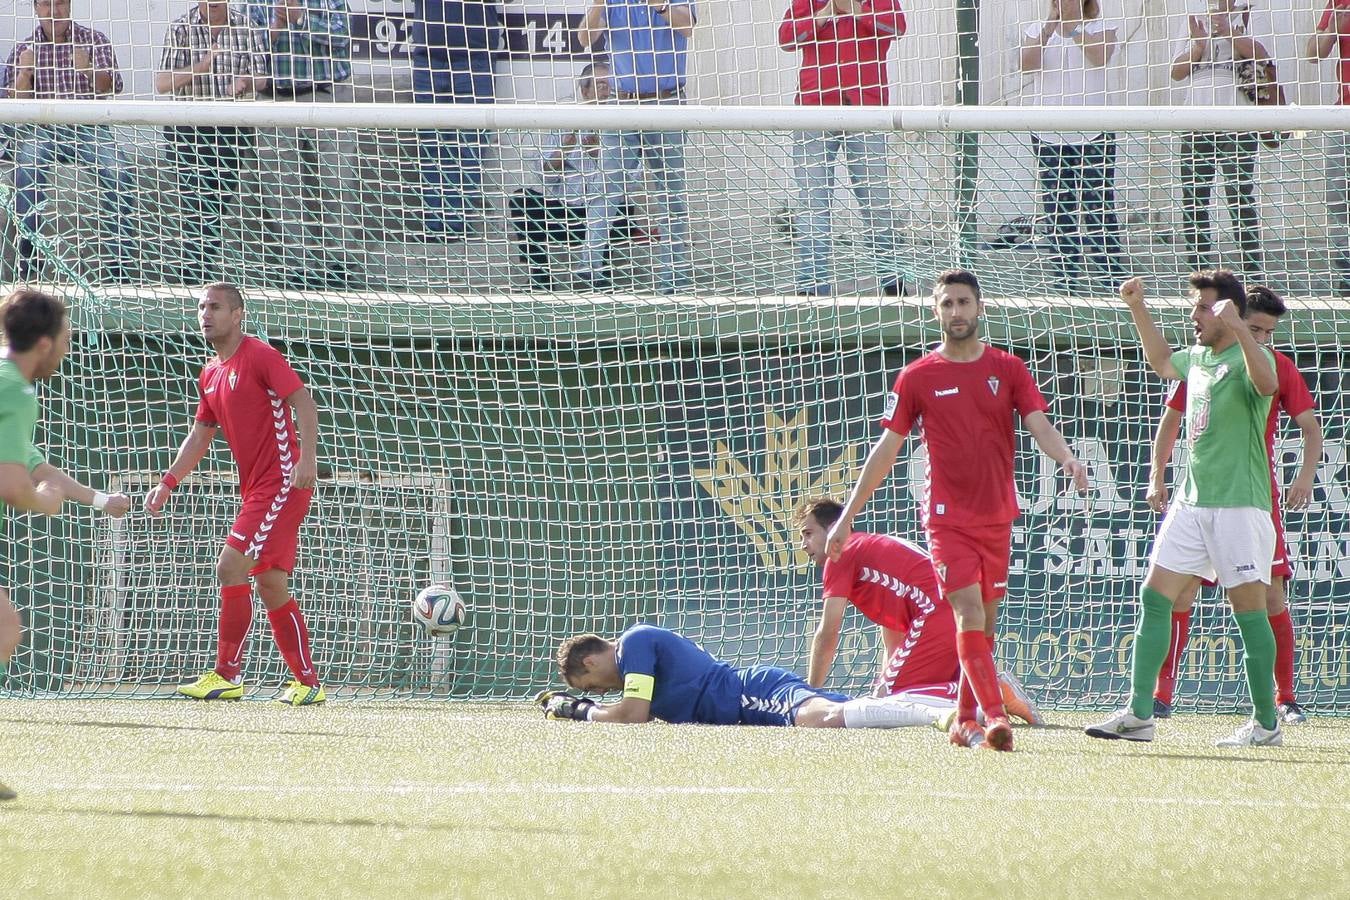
<point>993,384</point>
<point>947,393</point>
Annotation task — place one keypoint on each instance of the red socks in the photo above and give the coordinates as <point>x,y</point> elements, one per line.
<point>1167,678</point>
<point>977,667</point>
<point>1283,626</point>
<point>236,618</point>
<point>292,637</point>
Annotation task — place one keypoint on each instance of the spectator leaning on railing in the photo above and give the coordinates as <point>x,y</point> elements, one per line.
<point>453,42</point>
<point>1333,38</point>
<point>306,172</point>
<point>570,207</point>
<point>1067,56</point>
<point>648,46</point>
<point>844,44</point>
<point>64,60</point>
<point>210,53</point>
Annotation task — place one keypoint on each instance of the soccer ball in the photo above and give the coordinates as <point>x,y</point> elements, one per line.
<point>440,610</point>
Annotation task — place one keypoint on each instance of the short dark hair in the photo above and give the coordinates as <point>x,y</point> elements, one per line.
<point>573,650</point>
<point>31,316</point>
<point>1261,299</point>
<point>232,293</point>
<point>957,276</point>
<point>825,510</point>
<point>1224,283</point>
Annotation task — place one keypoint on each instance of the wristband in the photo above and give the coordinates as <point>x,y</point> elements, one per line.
<point>169,481</point>
<point>100,501</point>
<point>590,712</point>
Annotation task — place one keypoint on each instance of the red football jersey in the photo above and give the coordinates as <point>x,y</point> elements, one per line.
<point>965,412</point>
<point>890,580</point>
<point>1292,396</point>
<point>245,395</point>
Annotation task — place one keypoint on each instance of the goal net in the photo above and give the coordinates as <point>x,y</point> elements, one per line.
<point>581,360</point>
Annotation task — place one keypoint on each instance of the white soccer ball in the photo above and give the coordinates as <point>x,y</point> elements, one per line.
<point>440,610</point>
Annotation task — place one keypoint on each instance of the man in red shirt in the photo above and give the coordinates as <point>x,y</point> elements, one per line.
<point>1333,38</point>
<point>892,583</point>
<point>1264,308</point>
<point>844,44</point>
<point>964,395</point>
<point>250,391</point>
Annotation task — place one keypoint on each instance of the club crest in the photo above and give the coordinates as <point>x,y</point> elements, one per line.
<point>234,378</point>
<point>993,385</point>
<point>1220,372</point>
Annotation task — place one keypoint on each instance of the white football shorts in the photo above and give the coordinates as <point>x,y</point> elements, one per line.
<point>1229,545</point>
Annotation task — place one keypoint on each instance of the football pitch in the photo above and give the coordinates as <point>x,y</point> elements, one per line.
<point>176,799</point>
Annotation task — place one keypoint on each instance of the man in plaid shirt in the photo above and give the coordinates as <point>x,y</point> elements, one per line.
<point>311,63</point>
<point>63,60</point>
<point>210,53</point>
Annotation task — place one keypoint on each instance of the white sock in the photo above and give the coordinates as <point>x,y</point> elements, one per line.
<point>887,712</point>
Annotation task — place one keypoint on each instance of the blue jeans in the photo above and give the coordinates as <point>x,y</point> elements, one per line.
<point>1078,196</point>
<point>814,155</point>
<point>622,154</point>
<point>37,148</point>
<point>451,160</point>
<point>1204,159</point>
<point>1338,206</point>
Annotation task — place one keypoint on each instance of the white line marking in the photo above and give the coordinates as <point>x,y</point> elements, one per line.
<point>413,788</point>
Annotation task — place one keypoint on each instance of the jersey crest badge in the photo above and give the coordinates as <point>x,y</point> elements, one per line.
<point>941,569</point>
<point>234,379</point>
<point>993,384</point>
<point>1220,372</point>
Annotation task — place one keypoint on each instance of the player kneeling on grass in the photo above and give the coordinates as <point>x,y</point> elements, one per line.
<point>891,582</point>
<point>37,335</point>
<point>666,676</point>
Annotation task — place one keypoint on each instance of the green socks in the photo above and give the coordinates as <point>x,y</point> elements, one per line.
<point>1151,639</point>
<point>1258,644</point>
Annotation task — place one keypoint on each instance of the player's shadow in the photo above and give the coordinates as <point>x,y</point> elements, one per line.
<point>242,818</point>
<point>158,726</point>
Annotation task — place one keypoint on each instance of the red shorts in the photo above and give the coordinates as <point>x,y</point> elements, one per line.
<point>966,556</point>
<point>267,528</point>
<point>926,656</point>
<point>1281,564</point>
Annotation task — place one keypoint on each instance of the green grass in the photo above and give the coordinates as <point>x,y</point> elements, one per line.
<point>399,800</point>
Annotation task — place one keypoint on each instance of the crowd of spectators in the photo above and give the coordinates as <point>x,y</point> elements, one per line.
<point>300,51</point>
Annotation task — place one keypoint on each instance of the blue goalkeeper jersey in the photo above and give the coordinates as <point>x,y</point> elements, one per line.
<point>682,680</point>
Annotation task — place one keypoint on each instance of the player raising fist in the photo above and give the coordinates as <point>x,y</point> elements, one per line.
<point>250,391</point>
<point>37,335</point>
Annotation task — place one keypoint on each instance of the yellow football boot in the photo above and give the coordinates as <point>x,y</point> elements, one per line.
<point>213,686</point>
<point>297,693</point>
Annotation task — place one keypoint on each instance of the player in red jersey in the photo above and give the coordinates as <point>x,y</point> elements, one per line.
<point>892,583</point>
<point>250,391</point>
<point>1264,309</point>
<point>964,395</point>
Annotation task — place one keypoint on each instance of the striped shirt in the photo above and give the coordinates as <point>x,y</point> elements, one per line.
<point>240,51</point>
<point>55,76</point>
<point>311,54</point>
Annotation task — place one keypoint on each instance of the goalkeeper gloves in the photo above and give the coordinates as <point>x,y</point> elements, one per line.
<point>562,705</point>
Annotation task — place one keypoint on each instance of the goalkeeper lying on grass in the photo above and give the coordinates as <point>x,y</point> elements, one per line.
<point>666,676</point>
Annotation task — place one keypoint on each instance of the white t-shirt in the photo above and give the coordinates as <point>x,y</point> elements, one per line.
<point>580,179</point>
<point>1066,78</point>
<point>1214,82</point>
